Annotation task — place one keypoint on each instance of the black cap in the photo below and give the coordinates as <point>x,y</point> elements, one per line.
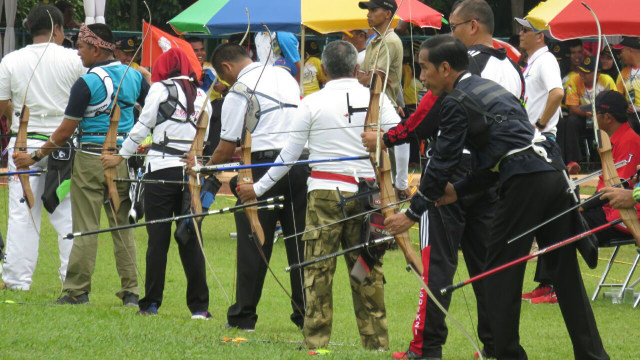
<point>385,4</point>
<point>588,64</point>
<point>609,101</point>
<point>628,41</point>
<point>127,45</point>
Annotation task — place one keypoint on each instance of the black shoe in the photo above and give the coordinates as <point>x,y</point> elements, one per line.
<point>229,326</point>
<point>130,300</point>
<point>73,300</point>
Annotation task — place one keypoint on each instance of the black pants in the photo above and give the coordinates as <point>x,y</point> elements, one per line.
<point>162,201</point>
<point>571,129</point>
<point>525,201</point>
<point>466,224</point>
<point>251,270</point>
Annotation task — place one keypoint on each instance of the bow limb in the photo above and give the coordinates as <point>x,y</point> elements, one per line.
<point>609,173</point>
<point>194,183</point>
<point>110,145</point>
<point>245,176</point>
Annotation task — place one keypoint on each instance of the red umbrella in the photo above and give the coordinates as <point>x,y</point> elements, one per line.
<point>569,19</point>
<point>418,13</point>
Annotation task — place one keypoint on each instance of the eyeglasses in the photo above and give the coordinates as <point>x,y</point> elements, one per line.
<point>525,30</point>
<point>454,26</point>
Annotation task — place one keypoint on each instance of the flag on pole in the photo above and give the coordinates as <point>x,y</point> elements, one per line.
<point>159,42</point>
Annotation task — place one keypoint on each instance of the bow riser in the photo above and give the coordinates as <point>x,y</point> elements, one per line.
<point>21,147</point>
<point>196,150</point>
<point>611,178</point>
<point>245,176</point>
<point>110,147</point>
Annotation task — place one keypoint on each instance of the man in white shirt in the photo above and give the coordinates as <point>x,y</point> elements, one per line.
<point>46,99</point>
<point>341,108</point>
<point>544,93</point>
<point>357,38</point>
<point>275,94</point>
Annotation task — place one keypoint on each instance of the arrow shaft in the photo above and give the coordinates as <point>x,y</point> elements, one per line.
<point>32,172</point>
<point>339,253</point>
<point>175,218</point>
<point>537,253</point>
<point>575,207</point>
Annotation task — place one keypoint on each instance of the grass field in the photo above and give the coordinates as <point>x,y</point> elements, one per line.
<point>31,328</point>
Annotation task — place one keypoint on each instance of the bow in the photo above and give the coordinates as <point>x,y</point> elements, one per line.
<point>194,182</point>
<point>382,167</point>
<point>245,176</point>
<point>609,172</point>
<point>110,147</point>
<point>21,137</point>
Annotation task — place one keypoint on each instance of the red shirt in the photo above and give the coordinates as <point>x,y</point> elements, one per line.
<point>624,142</point>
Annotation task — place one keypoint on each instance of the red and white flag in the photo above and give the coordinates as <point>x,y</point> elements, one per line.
<point>159,42</point>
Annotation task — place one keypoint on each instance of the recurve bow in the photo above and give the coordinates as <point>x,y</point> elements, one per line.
<point>609,173</point>
<point>382,166</point>
<point>21,137</point>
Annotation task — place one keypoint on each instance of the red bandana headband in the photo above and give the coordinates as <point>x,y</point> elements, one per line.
<point>86,35</point>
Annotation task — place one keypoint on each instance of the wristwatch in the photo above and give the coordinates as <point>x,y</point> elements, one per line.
<point>35,157</point>
<point>539,125</point>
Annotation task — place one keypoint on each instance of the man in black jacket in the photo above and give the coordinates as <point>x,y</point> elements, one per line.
<point>492,124</point>
<point>465,224</point>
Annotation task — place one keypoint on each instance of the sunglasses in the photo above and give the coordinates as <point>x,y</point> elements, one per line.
<point>454,26</point>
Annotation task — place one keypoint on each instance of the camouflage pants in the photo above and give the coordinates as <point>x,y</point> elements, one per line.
<point>368,296</point>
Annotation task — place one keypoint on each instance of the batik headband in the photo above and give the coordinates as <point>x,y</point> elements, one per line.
<point>86,35</point>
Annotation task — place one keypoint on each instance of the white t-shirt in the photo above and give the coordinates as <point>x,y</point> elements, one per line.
<point>541,75</point>
<point>272,128</point>
<point>263,47</point>
<point>328,109</point>
<point>49,90</point>
<point>174,130</point>
<point>503,73</point>
<point>361,56</point>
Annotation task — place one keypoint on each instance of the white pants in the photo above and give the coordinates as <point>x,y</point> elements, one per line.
<point>22,241</point>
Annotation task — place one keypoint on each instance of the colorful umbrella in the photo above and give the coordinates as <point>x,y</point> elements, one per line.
<point>569,19</point>
<point>196,16</point>
<point>229,16</point>
<point>340,15</point>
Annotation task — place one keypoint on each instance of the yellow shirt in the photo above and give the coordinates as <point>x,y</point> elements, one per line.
<point>631,78</point>
<point>313,76</point>
<point>579,94</point>
<point>214,94</point>
<point>411,87</point>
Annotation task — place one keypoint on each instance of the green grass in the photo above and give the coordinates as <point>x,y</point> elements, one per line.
<point>105,329</point>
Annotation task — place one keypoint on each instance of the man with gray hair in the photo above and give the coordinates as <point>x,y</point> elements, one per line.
<point>331,121</point>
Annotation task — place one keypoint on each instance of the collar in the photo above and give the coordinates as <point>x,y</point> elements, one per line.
<point>378,37</point>
<point>342,83</point>
<point>465,75</point>
<point>537,54</point>
<point>105,63</point>
<point>246,69</point>
<point>620,133</point>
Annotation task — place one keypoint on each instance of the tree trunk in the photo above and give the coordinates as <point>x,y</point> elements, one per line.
<point>133,16</point>
<point>517,10</point>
